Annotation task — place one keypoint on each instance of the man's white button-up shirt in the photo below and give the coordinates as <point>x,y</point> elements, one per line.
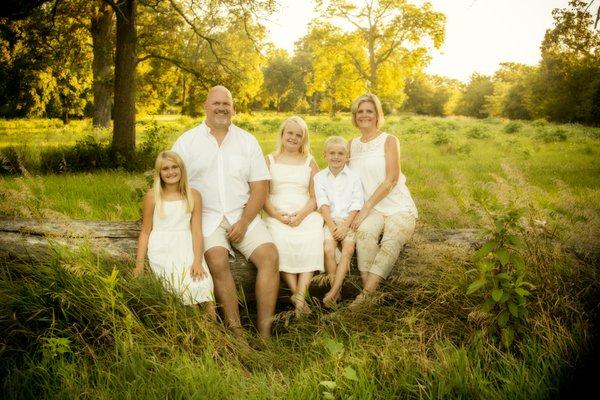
<point>222,173</point>
<point>342,193</point>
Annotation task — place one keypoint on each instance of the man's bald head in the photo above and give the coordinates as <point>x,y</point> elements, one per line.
<point>219,108</point>
<point>219,89</point>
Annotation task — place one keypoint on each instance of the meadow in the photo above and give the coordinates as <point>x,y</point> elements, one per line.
<point>78,326</point>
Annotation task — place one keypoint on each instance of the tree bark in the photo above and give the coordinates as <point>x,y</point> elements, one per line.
<point>123,142</point>
<point>101,66</point>
<point>32,240</point>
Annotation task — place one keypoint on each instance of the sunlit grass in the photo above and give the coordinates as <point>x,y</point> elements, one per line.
<point>131,339</point>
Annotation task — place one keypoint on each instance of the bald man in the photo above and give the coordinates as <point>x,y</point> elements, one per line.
<point>226,165</point>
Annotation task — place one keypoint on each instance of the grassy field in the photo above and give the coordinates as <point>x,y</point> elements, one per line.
<point>79,327</point>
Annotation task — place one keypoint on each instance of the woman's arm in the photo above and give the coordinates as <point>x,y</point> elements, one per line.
<point>197,238</point>
<point>311,204</point>
<point>142,248</point>
<point>392,174</point>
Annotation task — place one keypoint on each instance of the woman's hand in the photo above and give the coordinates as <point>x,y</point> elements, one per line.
<point>362,214</point>
<point>295,219</point>
<point>198,273</point>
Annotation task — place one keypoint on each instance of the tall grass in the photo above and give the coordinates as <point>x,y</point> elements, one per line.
<point>78,326</point>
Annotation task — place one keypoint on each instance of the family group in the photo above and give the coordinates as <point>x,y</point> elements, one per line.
<point>211,186</point>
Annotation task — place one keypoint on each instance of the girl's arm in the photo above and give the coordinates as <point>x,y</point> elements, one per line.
<point>142,249</point>
<point>311,204</point>
<point>197,238</point>
<point>392,173</point>
<point>269,207</point>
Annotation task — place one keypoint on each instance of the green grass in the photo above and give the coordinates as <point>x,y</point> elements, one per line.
<point>70,328</point>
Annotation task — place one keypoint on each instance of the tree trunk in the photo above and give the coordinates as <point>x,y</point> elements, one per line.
<point>183,93</point>
<point>101,65</point>
<point>31,240</point>
<point>123,143</point>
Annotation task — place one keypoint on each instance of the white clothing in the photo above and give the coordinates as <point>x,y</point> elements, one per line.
<point>368,161</point>
<point>343,192</point>
<point>300,248</point>
<point>171,253</point>
<point>222,173</point>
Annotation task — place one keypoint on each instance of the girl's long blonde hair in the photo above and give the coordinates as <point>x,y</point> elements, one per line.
<point>305,147</point>
<point>184,187</point>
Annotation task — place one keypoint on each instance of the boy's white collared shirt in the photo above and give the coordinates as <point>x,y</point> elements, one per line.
<point>222,173</point>
<point>342,193</point>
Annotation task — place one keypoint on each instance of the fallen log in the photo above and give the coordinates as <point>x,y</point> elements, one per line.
<point>28,240</point>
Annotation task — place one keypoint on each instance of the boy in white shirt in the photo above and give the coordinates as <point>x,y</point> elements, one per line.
<point>339,196</point>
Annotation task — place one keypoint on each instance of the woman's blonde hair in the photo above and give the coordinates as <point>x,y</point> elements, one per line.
<point>184,187</point>
<point>373,99</point>
<point>305,146</point>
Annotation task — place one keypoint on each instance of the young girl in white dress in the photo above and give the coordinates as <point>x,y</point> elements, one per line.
<point>296,227</point>
<point>171,233</point>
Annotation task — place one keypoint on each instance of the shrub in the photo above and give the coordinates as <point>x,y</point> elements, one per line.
<point>513,127</point>
<point>154,142</point>
<point>440,138</point>
<point>557,135</point>
<point>478,133</point>
<point>539,123</point>
<point>10,161</point>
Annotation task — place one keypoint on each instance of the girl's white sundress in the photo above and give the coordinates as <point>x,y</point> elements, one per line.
<point>301,247</point>
<point>171,254</point>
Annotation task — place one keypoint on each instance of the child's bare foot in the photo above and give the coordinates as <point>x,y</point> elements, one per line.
<point>302,308</point>
<point>357,303</point>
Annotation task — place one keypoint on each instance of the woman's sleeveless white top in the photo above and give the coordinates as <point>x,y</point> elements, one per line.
<point>368,161</point>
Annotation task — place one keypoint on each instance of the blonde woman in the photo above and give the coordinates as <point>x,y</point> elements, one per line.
<point>171,233</point>
<point>387,219</point>
<point>296,228</point>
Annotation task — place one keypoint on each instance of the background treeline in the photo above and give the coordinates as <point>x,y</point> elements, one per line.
<point>57,61</point>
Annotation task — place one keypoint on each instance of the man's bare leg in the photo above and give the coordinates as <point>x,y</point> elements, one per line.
<point>217,259</point>
<point>266,260</point>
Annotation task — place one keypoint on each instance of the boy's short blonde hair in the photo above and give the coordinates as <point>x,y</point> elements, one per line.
<point>335,140</point>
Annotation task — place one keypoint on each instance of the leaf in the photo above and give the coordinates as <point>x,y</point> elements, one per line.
<point>503,255</point>
<point>497,294</point>
<point>350,373</point>
<point>328,395</point>
<point>333,347</point>
<point>508,336</point>
<point>514,309</point>
<point>516,241</point>
<point>517,261</point>
<point>488,305</point>
<point>503,275</point>
<point>503,318</point>
<point>484,250</point>
<point>475,286</point>
<point>522,292</point>
<point>331,385</point>
<point>471,271</point>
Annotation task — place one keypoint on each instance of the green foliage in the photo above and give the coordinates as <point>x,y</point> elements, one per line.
<point>472,102</point>
<point>500,275</point>
<point>478,132</point>
<point>552,135</point>
<point>441,138</point>
<point>513,127</point>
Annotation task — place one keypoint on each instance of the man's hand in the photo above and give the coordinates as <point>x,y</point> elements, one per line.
<point>237,231</point>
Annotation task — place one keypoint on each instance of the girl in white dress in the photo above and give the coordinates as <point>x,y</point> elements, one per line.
<point>296,228</point>
<point>171,233</point>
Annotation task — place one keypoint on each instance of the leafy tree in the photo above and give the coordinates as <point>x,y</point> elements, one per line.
<point>391,40</point>
<point>283,85</point>
<point>473,100</point>
<point>568,87</point>
<point>333,78</point>
<point>512,91</point>
<point>429,95</point>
